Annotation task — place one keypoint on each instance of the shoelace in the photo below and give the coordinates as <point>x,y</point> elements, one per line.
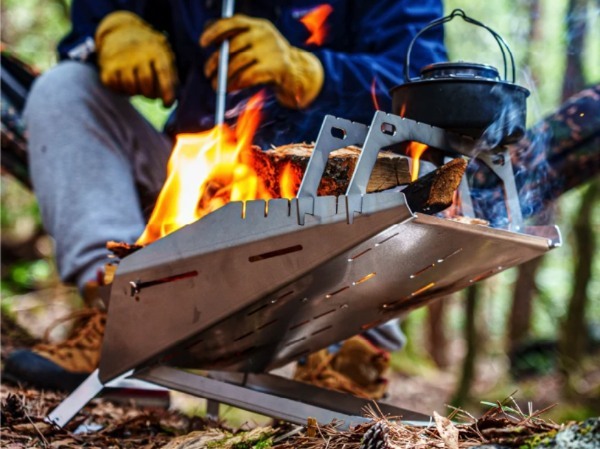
<point>94,324</point>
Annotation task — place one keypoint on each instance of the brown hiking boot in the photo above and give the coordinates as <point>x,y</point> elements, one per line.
<point>64,365</point>
<point>357,368</point>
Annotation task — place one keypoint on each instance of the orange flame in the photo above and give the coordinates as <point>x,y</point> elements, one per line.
<point>416,150</point>
<point>288,182</point>
<point>374,94</point>
<point>314,21</point>
<point>206,171</point>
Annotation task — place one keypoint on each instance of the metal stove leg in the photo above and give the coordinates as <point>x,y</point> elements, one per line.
<point>501,165</point>
<point>83,394</point>
<point>212,409</point>
<point>273,396</point>
<point>88,390</point>
<point>464,192</point>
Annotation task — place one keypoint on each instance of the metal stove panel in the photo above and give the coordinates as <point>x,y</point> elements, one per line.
<point>399,269</point>
<point>170,291</point>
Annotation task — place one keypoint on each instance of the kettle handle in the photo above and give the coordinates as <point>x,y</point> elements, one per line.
<point>460,13</point>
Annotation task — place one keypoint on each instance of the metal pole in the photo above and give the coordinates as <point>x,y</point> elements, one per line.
<point>227,11</point>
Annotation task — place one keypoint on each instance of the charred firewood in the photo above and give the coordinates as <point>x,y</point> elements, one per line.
<point>122,249</point>
<point>434,192</point>
<point>391,170</point>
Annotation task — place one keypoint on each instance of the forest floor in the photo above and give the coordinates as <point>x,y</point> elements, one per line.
<point>514,423</point>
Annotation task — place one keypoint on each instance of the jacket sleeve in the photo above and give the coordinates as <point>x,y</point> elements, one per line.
<point>85,17</point>
<point>382,31</point>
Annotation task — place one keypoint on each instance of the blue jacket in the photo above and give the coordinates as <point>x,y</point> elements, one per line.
<point>365,45</point>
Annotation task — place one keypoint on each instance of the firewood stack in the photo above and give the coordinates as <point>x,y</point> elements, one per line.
<point>430,194</point>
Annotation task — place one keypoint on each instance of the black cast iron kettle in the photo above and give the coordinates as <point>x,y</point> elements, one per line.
<point>464,97</point>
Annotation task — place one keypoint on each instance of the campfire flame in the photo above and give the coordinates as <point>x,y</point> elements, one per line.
<point>314,21</point>
<point>206,171</point>
<point>288,182</point>
<point>416,150</point>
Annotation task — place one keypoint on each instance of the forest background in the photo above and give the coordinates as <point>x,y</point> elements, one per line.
<point>548,309</point>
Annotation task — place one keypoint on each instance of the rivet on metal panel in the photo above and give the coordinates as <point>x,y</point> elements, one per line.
<point>134,290</point>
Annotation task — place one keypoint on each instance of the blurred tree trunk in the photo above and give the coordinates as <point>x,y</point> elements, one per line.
<point>437,342</point>
<point>574,328</point>
<point>463,391</point>
<point>525,290</point>
<point>534,36</point>
<point>576,21</point>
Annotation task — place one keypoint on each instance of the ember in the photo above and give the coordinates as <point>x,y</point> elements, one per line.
<point>206,171</point>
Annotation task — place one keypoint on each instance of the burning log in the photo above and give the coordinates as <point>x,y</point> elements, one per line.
<point>122,249</point>
<point>431,193</point>
<point>434,192</point>
<point>288,162</point>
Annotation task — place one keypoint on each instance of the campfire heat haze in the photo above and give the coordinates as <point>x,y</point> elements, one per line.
<point>206,171</point>
<point>314,21</point>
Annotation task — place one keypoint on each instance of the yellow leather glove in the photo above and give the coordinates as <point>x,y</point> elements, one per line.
<point>259,54</point>
<point>134,58</point>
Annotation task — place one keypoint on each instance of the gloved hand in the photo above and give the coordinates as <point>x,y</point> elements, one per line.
<point>259,54</point>
<point>134,58</point>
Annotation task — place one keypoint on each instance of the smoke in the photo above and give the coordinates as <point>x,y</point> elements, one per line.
<point>561,151</point>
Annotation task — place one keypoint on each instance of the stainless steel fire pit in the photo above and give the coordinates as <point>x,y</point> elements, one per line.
<point>252,287</point>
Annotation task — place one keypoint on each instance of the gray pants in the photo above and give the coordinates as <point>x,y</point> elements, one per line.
<point>97,166</point>
<point>95,163</point>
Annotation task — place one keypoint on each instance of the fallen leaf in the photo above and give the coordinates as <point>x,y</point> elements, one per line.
<point>448,431</point>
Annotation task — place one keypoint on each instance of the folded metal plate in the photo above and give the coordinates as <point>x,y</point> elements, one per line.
<point>255,292</point>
